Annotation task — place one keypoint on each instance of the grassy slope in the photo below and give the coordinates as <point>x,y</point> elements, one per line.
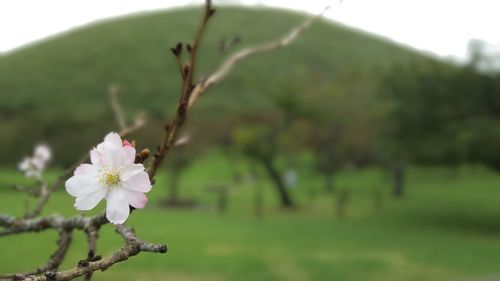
<point>440,231</point>
<point>60,84</point>
<point>77,67</point>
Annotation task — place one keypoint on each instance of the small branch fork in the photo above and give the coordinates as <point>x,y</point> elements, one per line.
<point>189,94</point>
<point>65,226</point>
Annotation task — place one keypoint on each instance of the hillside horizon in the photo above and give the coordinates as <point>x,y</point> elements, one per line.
<point>61,83</point>
<point>112,18</point>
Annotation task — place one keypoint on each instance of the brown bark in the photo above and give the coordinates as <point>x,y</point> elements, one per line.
<point>275,176</point>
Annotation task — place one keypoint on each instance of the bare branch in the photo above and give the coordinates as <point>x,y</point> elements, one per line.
<point>172,128</point>
<point>58,222</point>
<point>139,121</point>
<point>55,260</point>
<point>115,105</point>
<point>133,247</point>
<point>234,59</point>
<point>90,225</point>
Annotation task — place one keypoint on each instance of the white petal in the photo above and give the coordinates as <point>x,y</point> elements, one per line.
<point>38,163</point>
<point>128,154</point>
<point>80,185</point>
<point>130,170</point>
<point>25,164</point>
<point>113,139</point>
<point>86,170</point>
<point>110,151</point>
<point>96,157</point>
<point>117,208</point>
<point>42,152</point>
<point>89,201</point>
<point>136,198</point>
<point>114,156</point>
<point>138,182</point>
<point>100,148</point>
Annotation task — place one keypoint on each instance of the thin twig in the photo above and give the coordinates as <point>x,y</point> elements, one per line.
<point>172,128</point>
<point>117,108</point>
<point>92,235</point>
<point>234,59</point>
<point>55,260</point>
<point>90,225</point>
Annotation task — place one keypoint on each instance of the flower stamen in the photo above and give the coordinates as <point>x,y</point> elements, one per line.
<point>111,178</point>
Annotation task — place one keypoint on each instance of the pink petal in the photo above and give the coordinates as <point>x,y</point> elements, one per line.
<point>126,143</point>
<point>136,198</point>
<point>117,208</point>
<point>138,182</point>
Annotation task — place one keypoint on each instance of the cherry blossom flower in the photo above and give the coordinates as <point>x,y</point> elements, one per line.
<point>112,175</point>
<point>33,166</point>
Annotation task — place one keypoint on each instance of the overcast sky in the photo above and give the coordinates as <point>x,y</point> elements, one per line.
<point>442,27</point>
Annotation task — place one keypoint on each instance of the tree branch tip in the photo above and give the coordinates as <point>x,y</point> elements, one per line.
<point>163,249</point>
<point>211,12</point>
<point>177,50</point>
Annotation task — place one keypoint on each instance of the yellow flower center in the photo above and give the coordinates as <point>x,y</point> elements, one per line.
<point>111,178</point>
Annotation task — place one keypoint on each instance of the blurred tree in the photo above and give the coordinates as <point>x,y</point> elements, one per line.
<point>210,131</point>
<point>259,143</point>
<point>345,121</point>
<point>442,114</point>
<point>483,57</point>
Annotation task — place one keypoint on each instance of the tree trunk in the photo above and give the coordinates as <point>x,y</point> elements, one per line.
<point>274,175</point>
<point>398,174</point>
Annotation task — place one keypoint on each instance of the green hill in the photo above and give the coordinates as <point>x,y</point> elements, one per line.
<point>56,89</point>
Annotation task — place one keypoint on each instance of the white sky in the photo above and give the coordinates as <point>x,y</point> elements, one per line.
<point>442,27</point>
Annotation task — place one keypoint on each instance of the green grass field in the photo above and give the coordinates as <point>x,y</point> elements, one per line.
<point>446,228</point>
